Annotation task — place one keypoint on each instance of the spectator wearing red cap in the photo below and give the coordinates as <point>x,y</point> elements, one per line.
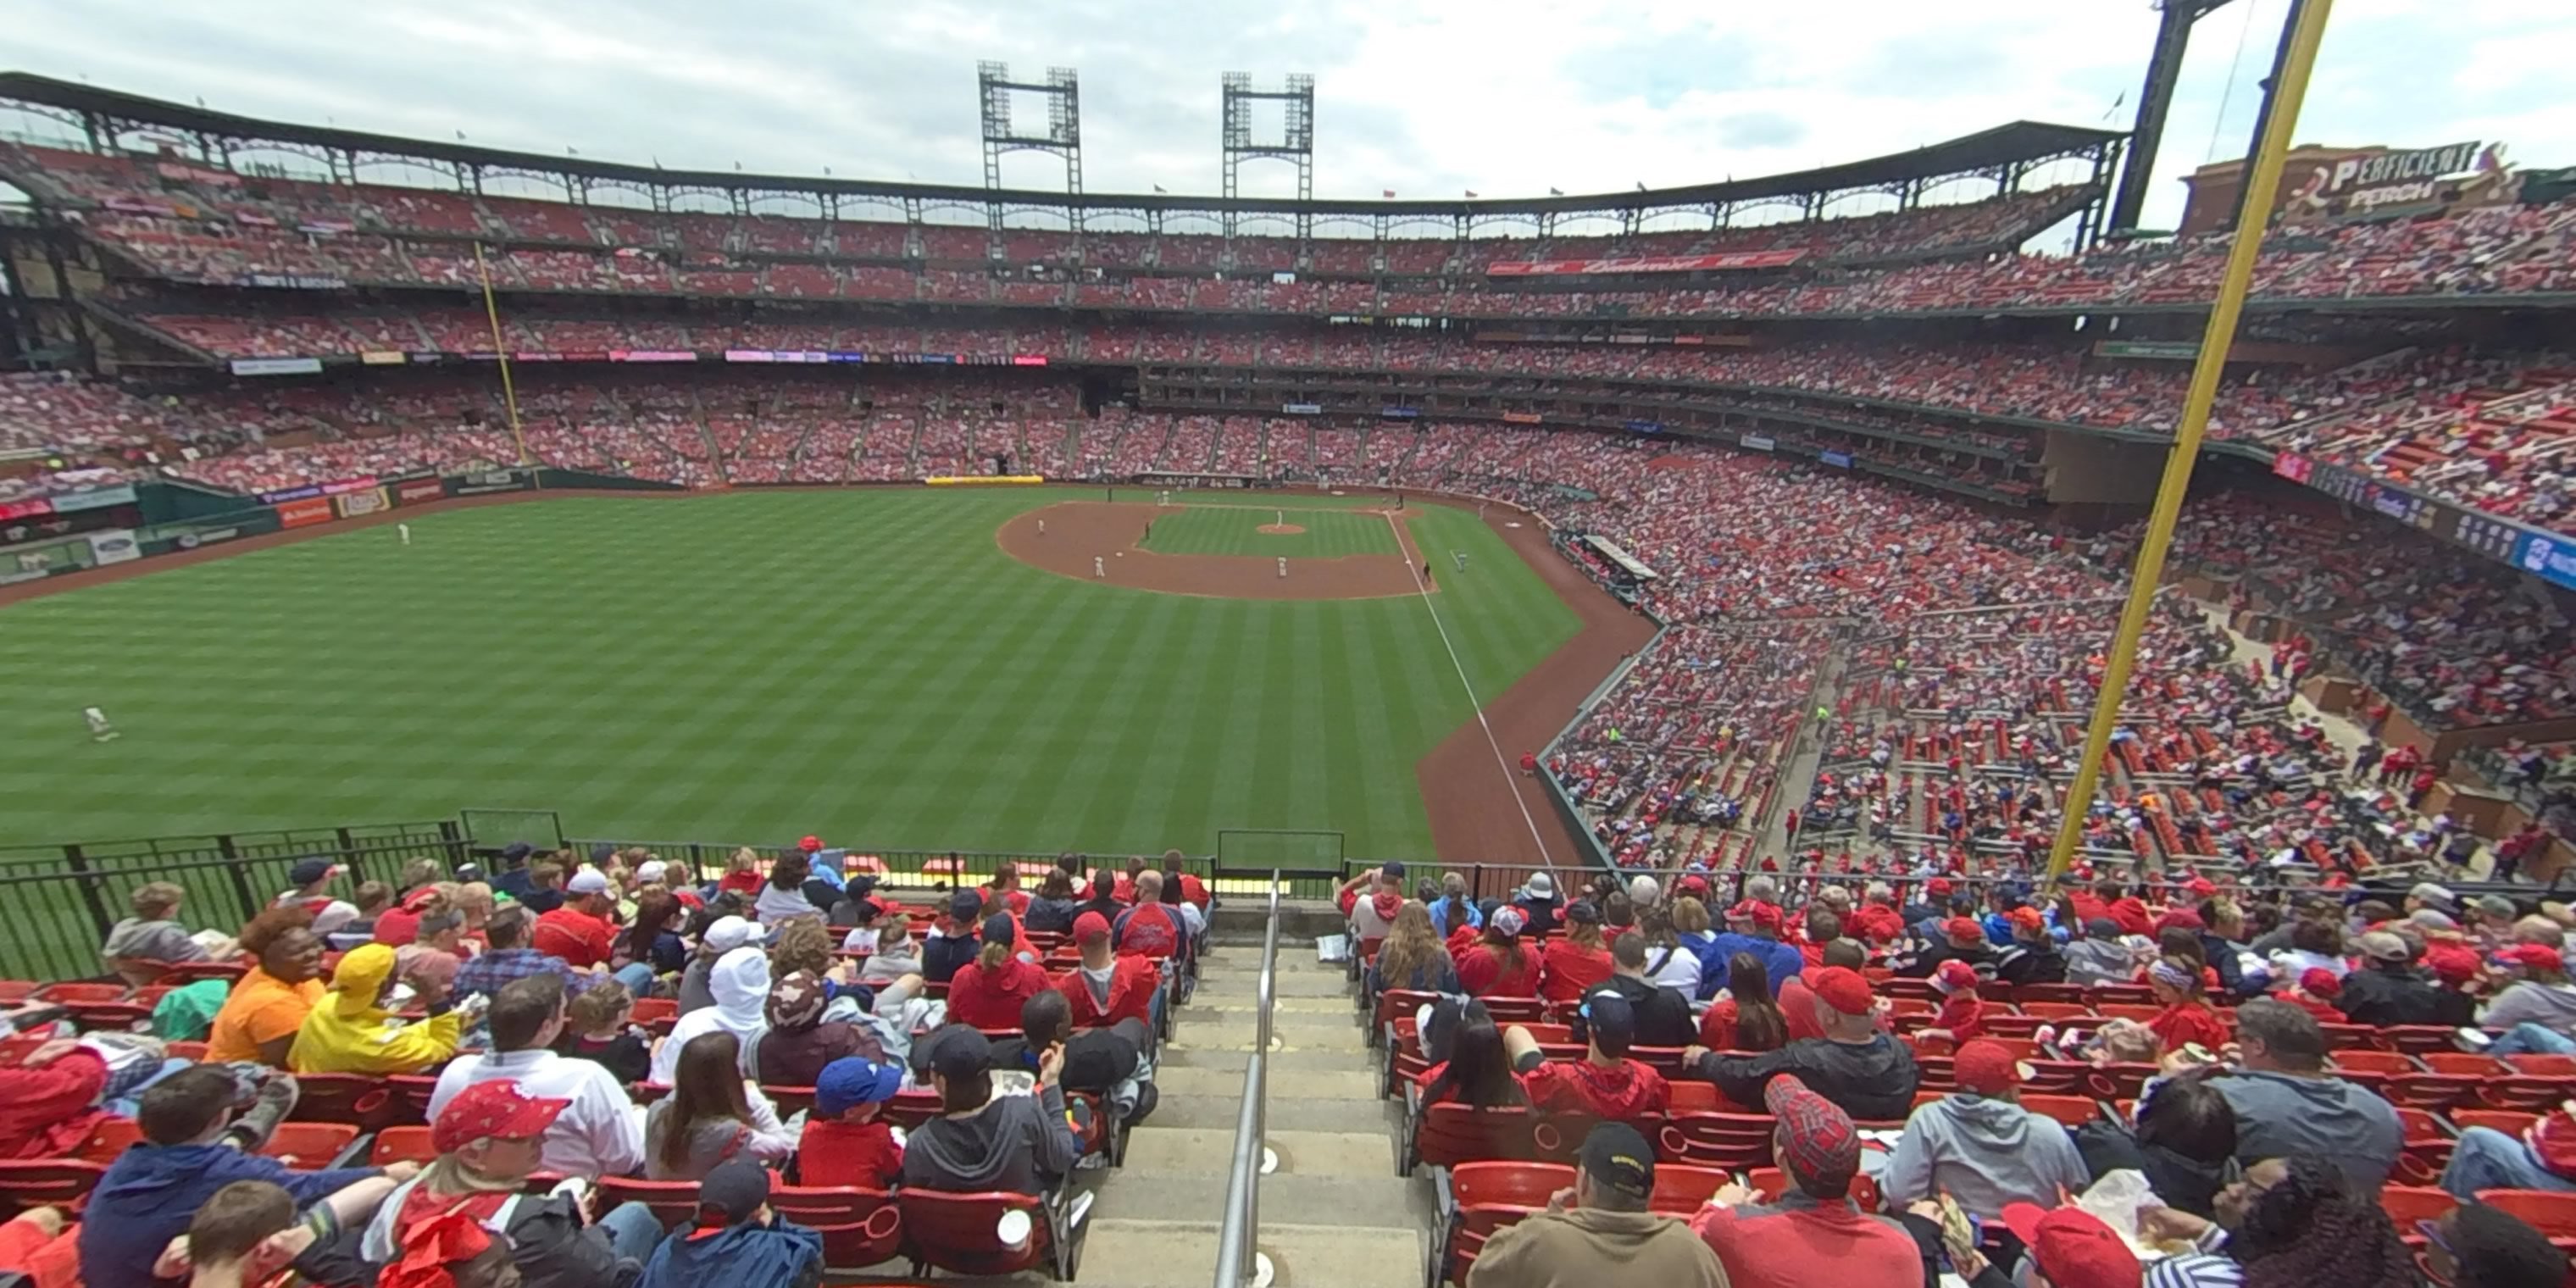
<point>1934,905</point>
<point>1812,1234</point>
<point>1961,939</point>
<point>1868,1073</point>
<point>2315,992</point>
<point>1605,1082</point>
<point>2537,1009</point>
<point>1979,1146</point>
<point>1752,926</point>
<point>2072,1248</point>
<point>1963,1014</point>
<point>1876,918</point>
<point>2032,956</point>
<point>1108,987</point>
<point>1496,965</point>
<point>490,1140</point>
<point>1578,960</point>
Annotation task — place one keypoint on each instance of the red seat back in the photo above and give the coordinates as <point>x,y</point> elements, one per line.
<point>2357,1061</point>
<point>2072,1111</point>
<point>2550,1212</point>
<point>673,1202</point>
<point>957,1232</point>
<point>1724,1140</point>
<point>1454,1134</point>
<point>49,1182</point>
<point>352,1098</point>
<point>309,1146</point>
<point>401,1145</point>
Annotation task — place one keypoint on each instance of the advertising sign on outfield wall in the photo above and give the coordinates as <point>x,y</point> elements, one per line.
<point>115,546</point>
<point>98,499</point>
<point>415,491</point>
<point>492,481</point>
<point>381,357</point>
<point>1302,409</point>
<point>1522,417</point>
<point>1759,442</point>
<point>353,504</point>
<point>276,366</point>
<point>304,513</point>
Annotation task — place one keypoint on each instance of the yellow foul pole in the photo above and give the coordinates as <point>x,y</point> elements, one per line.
<point>509,394</point>
<point>2261,184</point>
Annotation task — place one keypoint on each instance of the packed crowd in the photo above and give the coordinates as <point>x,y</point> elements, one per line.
<point>205,225</point>
<point>784,1036</point>
<point>2165,1087</point>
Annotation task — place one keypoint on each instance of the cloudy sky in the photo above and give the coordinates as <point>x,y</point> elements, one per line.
<point>1500,96</point>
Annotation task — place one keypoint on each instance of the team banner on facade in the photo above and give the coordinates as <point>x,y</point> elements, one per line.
<point>1648,263</point>
<point>276,366</point>
<point>115,546</point>
<point>1522,417</point>
<point>353,504</point>
<point>304,513</point>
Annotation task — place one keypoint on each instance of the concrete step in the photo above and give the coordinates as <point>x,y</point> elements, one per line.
<point>1216,1006</point>
<point>1360,1151</point>
<point>1246,985</point>
<point>1157,1254</point>
<point>1339,1083</point>
<point>1381,1202</point>
<point>1289,1113</point>
<point>1174,1055</point>
<point>1238,1034</point>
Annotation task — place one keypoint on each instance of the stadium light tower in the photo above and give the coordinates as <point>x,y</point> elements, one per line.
<point>1063,135</point>
<point>1296,144</point>
<point>2155,99</point>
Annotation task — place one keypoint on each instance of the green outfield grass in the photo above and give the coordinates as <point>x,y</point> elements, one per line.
<point>868,666</point>
<point>1236,530</point>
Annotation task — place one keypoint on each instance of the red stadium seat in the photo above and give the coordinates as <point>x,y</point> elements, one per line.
<point>860,1227</point>
<point>1723,1140</point>
<point>957,1232</point>
<point>1448,1135</point>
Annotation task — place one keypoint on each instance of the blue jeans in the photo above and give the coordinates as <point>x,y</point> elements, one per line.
<point>632,1230</point>
<point>2528,1038</point>
<point>2487,1159</point>
<point>637,977</point>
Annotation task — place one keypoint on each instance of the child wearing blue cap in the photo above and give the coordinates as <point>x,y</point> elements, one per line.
<point>847,1140</point>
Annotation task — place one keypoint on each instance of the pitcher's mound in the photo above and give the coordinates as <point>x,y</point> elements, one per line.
<point>1280,529</point>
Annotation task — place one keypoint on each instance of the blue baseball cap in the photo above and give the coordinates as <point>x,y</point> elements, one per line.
<point>854,1080</point>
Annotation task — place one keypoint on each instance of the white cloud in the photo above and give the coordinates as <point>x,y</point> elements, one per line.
<point>1504,97</point>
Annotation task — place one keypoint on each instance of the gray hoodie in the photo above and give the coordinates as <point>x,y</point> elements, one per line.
<point>2551,1006</point>
<point>2279,1114</point>
<point>2099,961</point>
<point>1985,1153</point>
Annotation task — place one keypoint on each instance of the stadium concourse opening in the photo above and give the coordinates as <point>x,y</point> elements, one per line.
<point>1106,541</point>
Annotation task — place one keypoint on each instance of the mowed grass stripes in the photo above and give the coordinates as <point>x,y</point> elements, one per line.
<point>867,665</point>
<point>1237,530</point>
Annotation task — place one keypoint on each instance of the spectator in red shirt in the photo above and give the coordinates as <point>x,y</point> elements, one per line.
<point>847,1140</point>
<point>1876,919</point>
<point>1005,886</point>
<point>1813,1234</point>
<point>1963,1013</point>
<point>2127,911</point>
<point>1193,890</point>
<point>579,932</point>
<point>987,992</point>
<point>2186,1017</point>
<point>1149,929</point>
<point>1108,986</point>
<point>1605,1082</point>
<point>1577,960</point>
<point>742,873</point>
<point>1495,965</point>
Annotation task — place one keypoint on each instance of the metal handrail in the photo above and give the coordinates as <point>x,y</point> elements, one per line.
<point>1235,1256</point>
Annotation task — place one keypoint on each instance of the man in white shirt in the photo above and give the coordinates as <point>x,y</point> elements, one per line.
<point>601,1130</point>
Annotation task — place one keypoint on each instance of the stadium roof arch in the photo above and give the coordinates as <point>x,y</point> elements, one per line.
<point>2002,152</point>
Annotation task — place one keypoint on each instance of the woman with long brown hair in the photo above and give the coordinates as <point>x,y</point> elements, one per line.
<point>1413,957</point>
<point>1747,1020</point>
<point>712,1115</point>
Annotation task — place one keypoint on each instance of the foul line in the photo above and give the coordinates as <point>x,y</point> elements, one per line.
<point>1500,763</point>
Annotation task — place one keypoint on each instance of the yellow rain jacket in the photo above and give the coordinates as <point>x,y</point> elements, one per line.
<point>348,1033</point>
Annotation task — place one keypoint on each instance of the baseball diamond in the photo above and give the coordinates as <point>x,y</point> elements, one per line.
<point>885,664</point>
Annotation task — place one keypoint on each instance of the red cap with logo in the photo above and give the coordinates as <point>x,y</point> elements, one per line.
<point>1986,1068</point>
<point>492,1109</point>
<point>2073,1247</point>
<point>1090,926</point>
<point>1844,989</point>
<point>1962,928</point>
<point>2533,957</point>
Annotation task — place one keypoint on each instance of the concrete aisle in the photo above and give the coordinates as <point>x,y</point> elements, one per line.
<point>1333,1213</point>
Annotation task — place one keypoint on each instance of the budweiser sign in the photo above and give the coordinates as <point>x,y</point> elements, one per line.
<point>1649,263</point>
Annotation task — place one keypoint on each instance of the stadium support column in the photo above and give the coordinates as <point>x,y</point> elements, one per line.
<point>2148,574</point>
<point>2155,98</point>
<point>1062,136</point>
<point>1295,145</point>
<point>2263,112</point>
